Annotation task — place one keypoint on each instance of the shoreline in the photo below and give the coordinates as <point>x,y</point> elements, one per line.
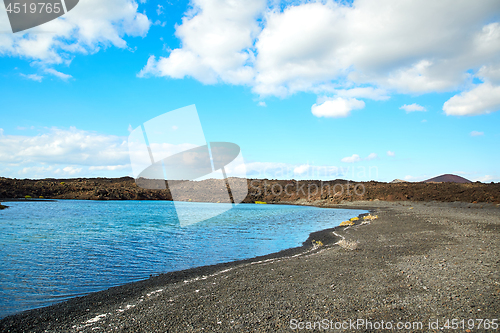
<point>325,236</point>
<point>92,311</point>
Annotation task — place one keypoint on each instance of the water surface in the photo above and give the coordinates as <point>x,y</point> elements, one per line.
<point>52,251</point>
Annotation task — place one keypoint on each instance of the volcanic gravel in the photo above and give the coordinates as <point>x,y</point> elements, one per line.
<point>418,262</point>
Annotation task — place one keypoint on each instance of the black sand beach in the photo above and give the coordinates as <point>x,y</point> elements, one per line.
<point>417,263</point>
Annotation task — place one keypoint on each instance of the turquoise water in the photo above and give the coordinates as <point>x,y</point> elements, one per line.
<point>52,251</point>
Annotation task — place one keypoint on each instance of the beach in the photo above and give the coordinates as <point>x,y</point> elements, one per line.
<point>417,264</point>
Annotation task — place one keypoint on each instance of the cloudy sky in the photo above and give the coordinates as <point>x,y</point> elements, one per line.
<point>368,89</point>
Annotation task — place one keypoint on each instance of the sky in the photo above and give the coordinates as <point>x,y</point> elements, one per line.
<point>361,90</point>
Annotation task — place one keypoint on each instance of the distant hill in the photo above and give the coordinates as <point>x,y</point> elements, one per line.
<point>447,179</point>
<point>395,181</point>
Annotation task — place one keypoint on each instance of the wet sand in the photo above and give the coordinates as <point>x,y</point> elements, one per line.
<point>418,262</point>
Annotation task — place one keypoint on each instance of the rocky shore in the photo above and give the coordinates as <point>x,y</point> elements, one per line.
<point>418,264</point>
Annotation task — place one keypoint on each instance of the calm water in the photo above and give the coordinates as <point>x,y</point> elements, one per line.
<point>52,251</point>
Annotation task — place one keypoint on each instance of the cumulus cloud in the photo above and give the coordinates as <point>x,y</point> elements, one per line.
<point>412,108</point>
<point>350,51</point>
<point>337,107</point>
<point>217,37</point>
<point>70,170</point>
<point>365,92</point>
<point>391,153</point>
<point>351,159</point>
<point>476,133</point>
<point>490,73</point>
<point>90,26</point>
<point>482,99</point>
<point>63,151</point>
<point>372,156</point>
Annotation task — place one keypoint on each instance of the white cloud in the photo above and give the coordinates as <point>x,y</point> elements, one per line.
<point>490,73</point>
<point>262,103</point>
<point>37,170</point>
<point>60,75</point>
<point>360,50</point>
<point>337,107</point>
<point>71,170</point>
<point>109,167</point>
<point>412,108</point>
<point>356,158</point>
<point>64,146</point>
<point>366,92</point>
<point>482,99</point>
<point>301,169</point>
<point>476,133</point>
<point>486,179</point>
<point>217,38</point>
<point>391,153</point>
<point>34,77</point>
<point>90,26</point>
<point>415,179</point>
<point>159,10</point>
<point>273,170</point>
<point>351,159</point>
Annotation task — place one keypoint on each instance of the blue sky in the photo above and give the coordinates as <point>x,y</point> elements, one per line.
<point>309,90</point>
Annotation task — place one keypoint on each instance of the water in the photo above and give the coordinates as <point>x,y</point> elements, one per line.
<point>52,251</point>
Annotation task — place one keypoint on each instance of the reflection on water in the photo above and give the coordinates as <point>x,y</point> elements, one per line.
<point>52,251</point>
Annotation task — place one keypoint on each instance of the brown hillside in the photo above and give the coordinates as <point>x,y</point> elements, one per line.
<point>448,179</point>
<point>272,191</point>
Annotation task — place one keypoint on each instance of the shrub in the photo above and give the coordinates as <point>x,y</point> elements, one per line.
<point>316,243</point>
<point>355,219</point>
<point>41,197</point>
<point>27,197</point>
<point>260,202</point>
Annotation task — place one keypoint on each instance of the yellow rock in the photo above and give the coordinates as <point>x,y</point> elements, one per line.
<point>347,223</point>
